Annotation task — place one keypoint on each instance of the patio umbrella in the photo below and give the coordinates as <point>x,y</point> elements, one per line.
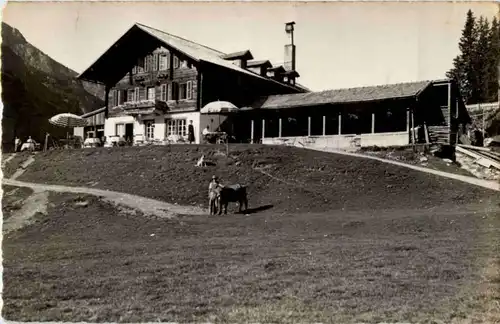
<point>68,120</point>
<point>219,107</point>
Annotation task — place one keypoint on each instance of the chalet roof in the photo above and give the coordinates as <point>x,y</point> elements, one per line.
<point>259,63</point>
<point>246,54</point>
<point>291,73</point>
<point>113,64</point>
<point>276,68</point>
<point>94,112</point>
<point>350,95</point>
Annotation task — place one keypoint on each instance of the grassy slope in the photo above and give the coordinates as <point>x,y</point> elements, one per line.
<point>317,181</point>
<point>389,244</point>
<point>98,263</point>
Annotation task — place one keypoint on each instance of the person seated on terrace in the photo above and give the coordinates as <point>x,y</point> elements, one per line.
<point>206,134</point>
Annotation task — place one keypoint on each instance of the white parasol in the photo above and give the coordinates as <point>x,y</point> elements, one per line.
<point>68,120</point>
<point>219,107</point>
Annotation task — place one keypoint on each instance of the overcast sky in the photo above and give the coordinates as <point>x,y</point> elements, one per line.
<point>339,45</point>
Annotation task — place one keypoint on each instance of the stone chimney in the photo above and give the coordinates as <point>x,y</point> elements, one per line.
<point>289,63</point>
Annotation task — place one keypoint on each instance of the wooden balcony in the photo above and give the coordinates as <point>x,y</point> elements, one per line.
<point>143,107</point>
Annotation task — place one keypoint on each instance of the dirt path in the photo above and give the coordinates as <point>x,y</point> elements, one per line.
<point>493,185</point>
<point>23,167</point>
<point>36,203</point>
<point>146,205</point>
<point>7,160</point>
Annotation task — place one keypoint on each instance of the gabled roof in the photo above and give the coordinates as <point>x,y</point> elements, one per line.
<point>291,73</point>
<point>246,55</point>
<point>277,68</point>
<point>350,95</point>
<point>94,112</point>
<point>259,63</point>
<point>141,40</point>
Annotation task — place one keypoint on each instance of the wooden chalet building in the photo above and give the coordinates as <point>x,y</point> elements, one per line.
<point>156,83</point>
<point>359,117</point>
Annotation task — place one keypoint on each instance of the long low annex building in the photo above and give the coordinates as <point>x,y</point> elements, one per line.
<point>383,116</point>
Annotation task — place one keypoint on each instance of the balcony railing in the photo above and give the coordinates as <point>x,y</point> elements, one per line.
<point>143,107</point>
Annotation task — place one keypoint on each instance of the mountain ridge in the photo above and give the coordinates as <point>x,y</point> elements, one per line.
<point>35,87</point>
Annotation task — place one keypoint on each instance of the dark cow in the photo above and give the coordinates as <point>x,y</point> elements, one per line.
<point>233,193</point>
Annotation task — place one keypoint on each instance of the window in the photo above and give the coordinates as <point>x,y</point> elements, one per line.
<point>163,93</point>
<point>176,127</point>
<point>151,93</point>
<point>130,95</point>
<point>121,96</point>
<point>116,97</point>
<point>150,129</point>
<point>176,62</point>
<point>171,127</point>
<point>140,65</point>
<point>136,94</point>
<point>182,91</point>
<point>185,90</point>
<point>163,62</point>
<point>120,130</point>
<point>181,127</point>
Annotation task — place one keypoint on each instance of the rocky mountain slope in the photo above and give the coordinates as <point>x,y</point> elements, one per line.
<point>36,87</point>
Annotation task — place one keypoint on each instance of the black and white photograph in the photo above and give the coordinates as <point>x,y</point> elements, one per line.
<point>250,162</point>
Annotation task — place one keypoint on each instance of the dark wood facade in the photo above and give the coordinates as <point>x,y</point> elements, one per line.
<point>437,114</point>
<point>163,77</point>
<point>184,85</point>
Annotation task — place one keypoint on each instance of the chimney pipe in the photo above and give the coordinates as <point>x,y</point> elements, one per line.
<point>289,63</point>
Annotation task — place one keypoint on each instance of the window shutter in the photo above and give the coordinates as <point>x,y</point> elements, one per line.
<point>111,98</point>
<point>136,95</point>
<point>134,70</point>
<point>175,89</point>
<point>169,91</point>
<point>189,90</point>
<point>163,92</point>
<point>167,61</point>
<point>119,97</point>
<point>155,62</point>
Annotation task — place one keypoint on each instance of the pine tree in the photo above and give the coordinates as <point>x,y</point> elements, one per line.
<point>493,61</point>
<point>463,65</point>
<point>482,66</point>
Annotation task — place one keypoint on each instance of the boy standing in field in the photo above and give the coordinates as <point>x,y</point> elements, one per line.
<point>212,195</point>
